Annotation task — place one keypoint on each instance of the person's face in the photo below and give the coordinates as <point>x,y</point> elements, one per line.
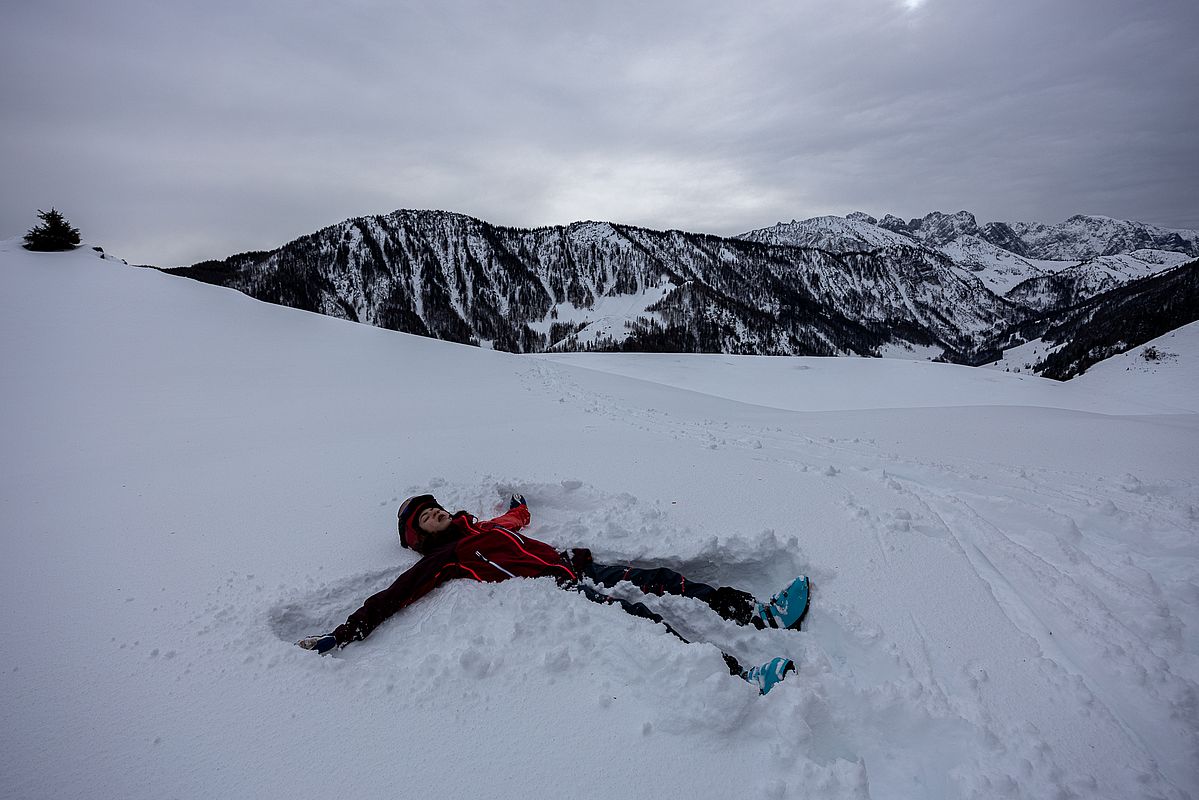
<point>433,520</point>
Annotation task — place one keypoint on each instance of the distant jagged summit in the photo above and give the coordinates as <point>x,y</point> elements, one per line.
<point>1080,237</point>
<point>854,232</point>
<point>1033,264</point>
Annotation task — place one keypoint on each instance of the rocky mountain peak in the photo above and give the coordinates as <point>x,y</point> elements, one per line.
<point>894,223</point>
<point>1001,235</point>
<point>940,229</point>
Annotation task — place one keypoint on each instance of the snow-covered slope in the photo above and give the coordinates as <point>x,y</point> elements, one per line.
<point>1164,370</point>
<point>1000,270</point>
<point>1004,600</point>
<point>1065,286</point>
<point>840,384</point>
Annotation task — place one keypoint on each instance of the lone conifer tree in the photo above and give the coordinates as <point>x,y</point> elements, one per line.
<point>55,233</point>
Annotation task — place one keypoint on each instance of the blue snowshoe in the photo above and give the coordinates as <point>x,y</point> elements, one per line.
<point>769,674</point>
<point>787,608</point>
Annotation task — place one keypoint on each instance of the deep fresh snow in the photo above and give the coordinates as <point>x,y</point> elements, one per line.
<point>1004,568</point>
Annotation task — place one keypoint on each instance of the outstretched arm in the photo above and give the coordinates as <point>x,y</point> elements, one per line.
<point>417,581</point>
<point>517,515</point>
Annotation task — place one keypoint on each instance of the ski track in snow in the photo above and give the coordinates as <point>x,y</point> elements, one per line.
<point>1027,541</point>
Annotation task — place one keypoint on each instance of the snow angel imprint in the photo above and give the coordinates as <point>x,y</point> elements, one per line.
<point>459,545</point>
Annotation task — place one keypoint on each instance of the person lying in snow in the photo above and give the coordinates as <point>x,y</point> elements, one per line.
<point>461,546</point>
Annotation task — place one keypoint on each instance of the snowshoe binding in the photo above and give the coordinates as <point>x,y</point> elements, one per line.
<point>770,674</point>
<point>786,609</point>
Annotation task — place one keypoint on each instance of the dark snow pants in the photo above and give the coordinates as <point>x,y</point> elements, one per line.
<point>657,581</point>
<point>731,604</point>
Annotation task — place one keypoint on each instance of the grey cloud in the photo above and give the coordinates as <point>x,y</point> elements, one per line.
<point>172,132</point>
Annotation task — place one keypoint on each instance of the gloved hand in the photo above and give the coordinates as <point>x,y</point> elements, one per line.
<point>321,644</point>
<point>517,500</point>
<point>580,560</point>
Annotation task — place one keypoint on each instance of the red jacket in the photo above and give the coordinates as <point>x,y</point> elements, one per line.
<point>489,551</point>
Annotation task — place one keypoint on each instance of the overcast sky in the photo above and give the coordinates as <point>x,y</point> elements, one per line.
<point>171,132</point>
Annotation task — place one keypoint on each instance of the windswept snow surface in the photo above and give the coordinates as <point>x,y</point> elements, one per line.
<point>1004,595</point>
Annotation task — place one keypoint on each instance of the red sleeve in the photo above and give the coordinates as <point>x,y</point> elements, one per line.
<point>515,519</point>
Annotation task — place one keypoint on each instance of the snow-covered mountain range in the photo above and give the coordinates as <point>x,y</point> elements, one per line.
<point>1087,253</point>
<point>1081,237</point>
<point>940,287</point>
